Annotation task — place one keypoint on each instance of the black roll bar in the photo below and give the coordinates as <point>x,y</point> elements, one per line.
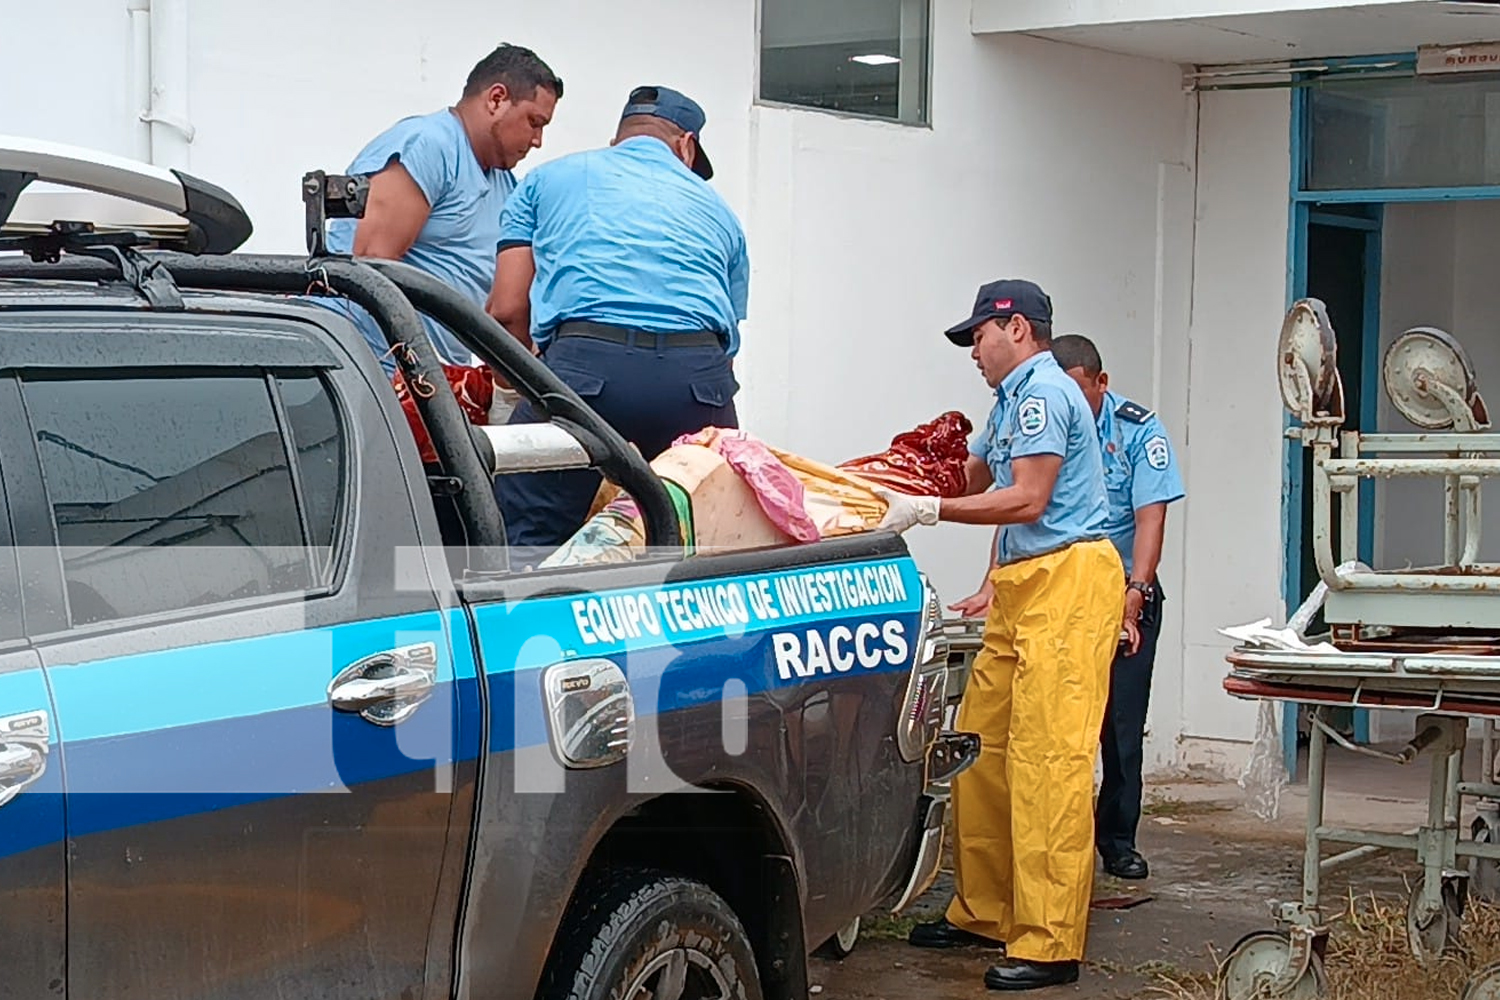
<point>394,293</point>
<point>621,463</point>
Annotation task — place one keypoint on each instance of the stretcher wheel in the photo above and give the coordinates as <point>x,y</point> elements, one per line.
<point>1431,938</point>
<point>1255,963</point>
<point>1484,984</point>
<point>1484,873</point>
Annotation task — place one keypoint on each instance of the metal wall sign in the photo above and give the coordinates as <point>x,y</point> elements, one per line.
<point>1478,57</point>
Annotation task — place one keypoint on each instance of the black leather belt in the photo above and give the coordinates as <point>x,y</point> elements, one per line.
<point>638,338</point>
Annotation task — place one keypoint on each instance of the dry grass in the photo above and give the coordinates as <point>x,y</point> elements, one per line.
<point>1369,958</point>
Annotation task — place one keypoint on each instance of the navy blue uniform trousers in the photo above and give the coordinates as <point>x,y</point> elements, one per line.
<point>1118,812</point>
<point>648,391</point>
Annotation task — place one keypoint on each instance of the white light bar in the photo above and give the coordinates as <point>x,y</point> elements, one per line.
<point>206,219</point>
<point>92,170</point>
<point>37,209</point>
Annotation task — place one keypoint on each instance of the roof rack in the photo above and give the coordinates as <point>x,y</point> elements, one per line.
<point>114,202</point>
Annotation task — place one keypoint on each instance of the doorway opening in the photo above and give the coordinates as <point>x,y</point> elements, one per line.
<point>1383,268</point>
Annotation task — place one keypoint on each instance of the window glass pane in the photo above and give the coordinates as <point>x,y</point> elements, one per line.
<point>1403,134</point>
<point>865,57</point>
<point>320,456</point>
<point>168,493</point>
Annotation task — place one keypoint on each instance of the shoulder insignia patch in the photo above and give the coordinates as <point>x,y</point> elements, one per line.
<point>1031,416</point>
<point>1134,412</point>
<point>1158,455</point>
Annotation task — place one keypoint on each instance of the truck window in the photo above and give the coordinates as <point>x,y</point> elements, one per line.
<point>318,448</point>
<point>171,493</point>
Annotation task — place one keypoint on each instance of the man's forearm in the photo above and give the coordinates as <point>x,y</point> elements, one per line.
<point>1010,505</point>
<point>1145,554</point>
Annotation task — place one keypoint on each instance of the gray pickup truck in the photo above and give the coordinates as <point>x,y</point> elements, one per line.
<point>277,719</point>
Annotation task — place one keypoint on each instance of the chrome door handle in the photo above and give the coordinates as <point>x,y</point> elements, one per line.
<point>387,687</point>
<point>24,745</point>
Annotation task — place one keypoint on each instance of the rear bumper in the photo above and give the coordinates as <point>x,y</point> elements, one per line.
<point>949,755</point>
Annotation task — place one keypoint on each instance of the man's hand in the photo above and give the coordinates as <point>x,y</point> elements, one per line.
<point>1130,620</point>
<point>1132,631</point>
<point>977,604</point>
<point>903,511</point>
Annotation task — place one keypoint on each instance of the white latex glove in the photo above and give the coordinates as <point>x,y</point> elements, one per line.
<point>903,511</point>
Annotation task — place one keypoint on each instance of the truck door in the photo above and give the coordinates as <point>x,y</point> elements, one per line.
<point>33,855</point>
<point>258,718</point>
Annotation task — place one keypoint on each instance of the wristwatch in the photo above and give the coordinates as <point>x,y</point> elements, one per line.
<point>1146,589</point>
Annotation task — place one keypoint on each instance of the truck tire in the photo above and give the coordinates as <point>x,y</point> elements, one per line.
<point>841,945</point>
<point>638,935</point>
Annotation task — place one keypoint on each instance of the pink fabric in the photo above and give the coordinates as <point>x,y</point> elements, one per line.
<point>777,490</point>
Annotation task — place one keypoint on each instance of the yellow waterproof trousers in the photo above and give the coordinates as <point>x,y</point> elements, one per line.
<point>1023,813</point>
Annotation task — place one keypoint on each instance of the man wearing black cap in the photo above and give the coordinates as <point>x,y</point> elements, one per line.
<point>631,274</point>
<point>1023,814</point>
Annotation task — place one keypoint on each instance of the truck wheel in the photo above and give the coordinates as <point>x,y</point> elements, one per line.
<point>642,935</point>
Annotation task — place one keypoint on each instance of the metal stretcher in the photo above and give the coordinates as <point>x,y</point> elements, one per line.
<point>1420,640</point>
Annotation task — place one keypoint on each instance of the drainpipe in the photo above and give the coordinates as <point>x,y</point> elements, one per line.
<point>165,47</point>
<point>138,91</point>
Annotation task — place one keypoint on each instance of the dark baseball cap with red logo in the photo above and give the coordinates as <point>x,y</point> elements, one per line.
<point>1002,300</point>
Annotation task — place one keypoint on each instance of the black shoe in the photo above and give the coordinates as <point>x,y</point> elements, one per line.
<point>941,934</point>
<point>1019,975</point>
<point>1128,866</point>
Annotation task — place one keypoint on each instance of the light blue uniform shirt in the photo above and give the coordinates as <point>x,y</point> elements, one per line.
<point>1140,467</point>
<point>628,236</point>
<point>457,243</point>
<point>1040,410</point>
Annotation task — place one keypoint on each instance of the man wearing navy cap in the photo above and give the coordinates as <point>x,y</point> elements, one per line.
<point>1023,814</point>
<point>1141,478</point>
<point>631,275</point>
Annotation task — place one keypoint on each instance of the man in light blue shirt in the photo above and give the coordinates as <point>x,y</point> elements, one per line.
<point>1036,414</point>
<point>1141,479</point>
<point>1022,813</point>
<point>631,276</point>
<point>439,185</point>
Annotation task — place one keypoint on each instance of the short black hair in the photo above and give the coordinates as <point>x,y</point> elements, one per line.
<point>1041,331</point>
<point>520,69</point>
<point>1074,350</point>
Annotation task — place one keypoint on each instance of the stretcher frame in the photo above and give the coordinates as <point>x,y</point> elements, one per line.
<point>1444,692</point>
<point>1423,640</point>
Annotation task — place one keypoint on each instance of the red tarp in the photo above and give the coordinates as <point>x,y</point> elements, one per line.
<point>475,389</point>
<point>926,461</point>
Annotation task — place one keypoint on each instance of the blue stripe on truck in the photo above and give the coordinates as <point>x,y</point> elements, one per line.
<point>157,736</point>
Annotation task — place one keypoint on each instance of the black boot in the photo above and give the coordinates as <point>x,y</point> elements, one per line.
<point>941,934</point>
<point>1020,975</point>
<point>1129,865</point>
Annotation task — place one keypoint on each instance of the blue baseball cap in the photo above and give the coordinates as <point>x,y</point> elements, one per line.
<point>1002,300</point>
<point>677,108</point>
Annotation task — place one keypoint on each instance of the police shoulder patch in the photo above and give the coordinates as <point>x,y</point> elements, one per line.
<point>1031,416</point>
<point>1134,412</point>
<point>1158,454</point>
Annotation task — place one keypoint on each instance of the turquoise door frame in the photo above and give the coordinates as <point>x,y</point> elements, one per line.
<point>1304,212</point>
<point>1305,215</point>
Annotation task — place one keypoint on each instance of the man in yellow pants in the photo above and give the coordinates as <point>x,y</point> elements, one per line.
<point>1023,813</point>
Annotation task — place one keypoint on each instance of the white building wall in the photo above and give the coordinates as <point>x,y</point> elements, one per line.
<point>867,238</point>
<point>1233,546</point>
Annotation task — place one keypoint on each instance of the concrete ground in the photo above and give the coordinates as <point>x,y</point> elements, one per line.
<point>1215,869</point>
